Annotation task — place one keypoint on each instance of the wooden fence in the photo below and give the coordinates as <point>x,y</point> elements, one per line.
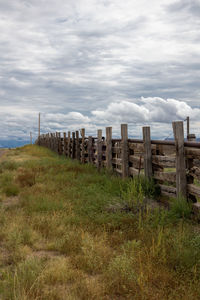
<point>175,165</point>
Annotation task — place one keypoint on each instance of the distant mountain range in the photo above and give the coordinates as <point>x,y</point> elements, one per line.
<point>171,139</point>
<point>12,144</point>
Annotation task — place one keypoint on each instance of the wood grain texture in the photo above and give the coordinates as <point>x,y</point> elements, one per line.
<point>168,191</point>
<point>109,147</point>
<point>148,171</point>
<point>136,161</point>
<point>83,145</point>
<point>99,149</point>
<point>164,161</point>
<point>193,190</point>
<point>77,146</point>
<point>90,150</point>
<point>181,183</point>
<point>69,144</point>
<point>165,176</point>
<point>125,150</point>
<point>73,146</point>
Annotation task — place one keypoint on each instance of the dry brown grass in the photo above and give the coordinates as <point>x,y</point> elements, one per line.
<point>58,240</point>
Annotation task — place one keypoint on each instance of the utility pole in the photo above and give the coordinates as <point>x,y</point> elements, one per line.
<point>31,140</point>
<point>188,127</point>
<point>39,129</point>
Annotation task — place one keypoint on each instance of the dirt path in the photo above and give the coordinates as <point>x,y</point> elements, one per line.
<point>2,152</point>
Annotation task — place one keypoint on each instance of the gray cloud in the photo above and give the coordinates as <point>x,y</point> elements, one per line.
<point>66,58</point>
<point>186,6</point>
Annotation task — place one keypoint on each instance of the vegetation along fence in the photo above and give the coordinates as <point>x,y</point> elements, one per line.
<point>175,165</point>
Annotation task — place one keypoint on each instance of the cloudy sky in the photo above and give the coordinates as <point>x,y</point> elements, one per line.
<point>97,63</point>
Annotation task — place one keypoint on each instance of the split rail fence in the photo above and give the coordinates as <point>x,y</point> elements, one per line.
<point>175,165</point>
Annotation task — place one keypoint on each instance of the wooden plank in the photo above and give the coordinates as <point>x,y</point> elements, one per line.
<point>195,172</point>
<point>57,143</point>
<point>99,149</point>
<point>168,190</point>
<point>73,145</point>
<point>196,209</point>
<point>83,145</point>
<point>148,171</point>
<point>125,150</point>
<point>192,153</point>
<point>192,172</point>
<point>137,161</point>
<point>90,150</point>
<point>104,163</point>
<point>109,147</point>
<point>117,161</point>
<point>164,161</point>
<point>116,150</point>
<point>69,144</point>
<point>77,145</point>
<point>168,150</point>
<point>181,183</point>
<point>136,147</point>
<point>52,141</point>
<point>165,176</point>
<point>60,150</point>
<point>118,171</point>
<point>133,172</point>
<point>193,190</point>
<point>65,143</point>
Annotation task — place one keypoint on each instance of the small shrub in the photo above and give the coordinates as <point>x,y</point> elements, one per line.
<point>136,189</point>
<point>59,270</point>
<point>11,190</point>
<point>180,208</point>
<point>6,178</point>
<point>41,203</point>
<point>9,165</point>
<point>70,242</point>
<point>95,254</point>
<point>26,177</point>
<point>22,283</point>
<point>121,275</point>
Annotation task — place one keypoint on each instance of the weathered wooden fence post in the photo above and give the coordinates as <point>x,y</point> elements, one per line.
<point>124,149</point>
<point>55,142</point>
<point>69,144</point>
<point>148,171</point>
<point>99,149</point>
<point>109,148</point>
<point>64,143</point>
<point>73,145</point>
<point>59,144</point>
<point>56,149</point>
<point>51,141</point>
<point>181,182</point>
<point>90,150</point>
<point>77,145</point>
<point>83,145</point>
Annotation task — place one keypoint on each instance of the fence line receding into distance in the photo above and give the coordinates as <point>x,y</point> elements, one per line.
<point>175,165</point>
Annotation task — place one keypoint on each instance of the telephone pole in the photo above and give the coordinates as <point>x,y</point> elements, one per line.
<point>188,127</point>
<point>31,140</point>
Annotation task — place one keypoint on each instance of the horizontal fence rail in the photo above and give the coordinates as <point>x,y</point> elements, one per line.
<point>175,165</point>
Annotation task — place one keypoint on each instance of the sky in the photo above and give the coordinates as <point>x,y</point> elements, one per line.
<point>96,63</point>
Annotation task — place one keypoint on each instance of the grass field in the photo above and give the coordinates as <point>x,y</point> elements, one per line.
<point>69,232</point>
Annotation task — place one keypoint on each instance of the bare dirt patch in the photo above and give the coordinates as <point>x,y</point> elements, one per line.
<point>46,254</point>
<point>10,201</point>
<point>2,152</point>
